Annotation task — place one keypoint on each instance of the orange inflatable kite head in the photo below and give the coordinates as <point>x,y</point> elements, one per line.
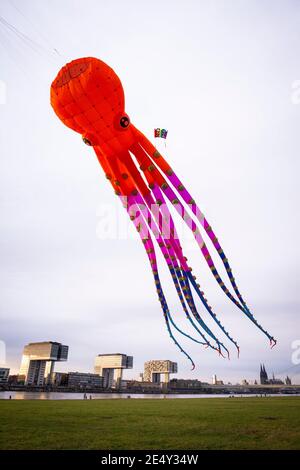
<point>88,97</point>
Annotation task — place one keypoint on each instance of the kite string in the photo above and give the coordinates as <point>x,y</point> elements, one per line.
<point>42,35</point>
<point>28,41</point>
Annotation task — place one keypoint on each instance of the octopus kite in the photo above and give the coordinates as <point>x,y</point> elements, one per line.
<point>88,97</point>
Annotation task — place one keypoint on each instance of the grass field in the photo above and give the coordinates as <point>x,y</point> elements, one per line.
<point>213,423</point>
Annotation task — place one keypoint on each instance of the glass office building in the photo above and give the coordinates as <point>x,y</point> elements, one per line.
<point>111,366</point>
<point>153,370</point>
<point>38,361</point>
<point>4,373</point>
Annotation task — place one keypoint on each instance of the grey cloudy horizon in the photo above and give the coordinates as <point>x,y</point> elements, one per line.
<point>224,78</point>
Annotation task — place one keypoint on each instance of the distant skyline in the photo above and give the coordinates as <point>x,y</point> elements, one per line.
<point>134,374</point>
<point>223,78</point>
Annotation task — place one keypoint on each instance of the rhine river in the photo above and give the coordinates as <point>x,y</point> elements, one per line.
<point>105,396</point>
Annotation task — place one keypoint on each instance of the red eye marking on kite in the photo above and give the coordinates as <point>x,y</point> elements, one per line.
<point>124,121</point>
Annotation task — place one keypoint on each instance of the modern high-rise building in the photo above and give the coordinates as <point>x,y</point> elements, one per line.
<point>4,373</point>
<point>111,366</point>
<point>154,369</point>
<point>38,361</point>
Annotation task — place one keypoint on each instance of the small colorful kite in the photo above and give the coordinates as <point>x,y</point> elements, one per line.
<point>88,97</point>
<point>160,133</point>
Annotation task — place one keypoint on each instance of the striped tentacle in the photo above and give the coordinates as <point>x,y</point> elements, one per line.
<point>163,248</point>
<point>179,286</point>
<point>205,251</point>
<point>148,147</point>
<point>127,160</point>
<point>187,293</point>
<point>170,257</point>
<point>167,315</point>
<point>160,201</point>
<point>188,199</point>
<point>190,279</point>
<point>149,247</point>
<point>151,203</point>
<point>172,197</point>
<point>114,175</point>
<point>185,275</point>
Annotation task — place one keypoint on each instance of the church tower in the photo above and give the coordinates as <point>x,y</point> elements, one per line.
<point>288,380</point>
<point>263,375</point>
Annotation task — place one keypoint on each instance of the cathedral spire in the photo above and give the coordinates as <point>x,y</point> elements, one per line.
<point>263,374</point>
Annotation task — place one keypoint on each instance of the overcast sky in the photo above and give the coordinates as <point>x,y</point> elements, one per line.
<point>223,77</point>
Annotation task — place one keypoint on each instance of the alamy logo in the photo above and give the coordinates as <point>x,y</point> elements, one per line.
<point>295,95</point>
<point>296,353</point>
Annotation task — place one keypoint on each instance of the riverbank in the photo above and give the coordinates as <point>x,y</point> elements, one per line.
<point>214,423</point>
<point>69,395</point>
<point>203,390</point>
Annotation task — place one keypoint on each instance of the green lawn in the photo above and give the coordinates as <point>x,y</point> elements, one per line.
<point>213,423</point>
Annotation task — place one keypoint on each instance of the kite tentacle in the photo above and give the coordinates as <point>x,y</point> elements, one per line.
<point>150,203</point>
<point>174,240</point>
<point>188,199</point>
<point>187,273</point>
<point>144,197</point>
<point>170,258</point>
<point>149,246</point>
<point>121,188</point>
<point>172,197</point>
<point>141,225</point>
<point>148,147</point>
<point>183,278</point>
<point>178,286</point>
<point>184,282</point>
<point>167,316</point>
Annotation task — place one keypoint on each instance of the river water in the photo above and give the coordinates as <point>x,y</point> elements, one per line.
<point>105,396</point>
